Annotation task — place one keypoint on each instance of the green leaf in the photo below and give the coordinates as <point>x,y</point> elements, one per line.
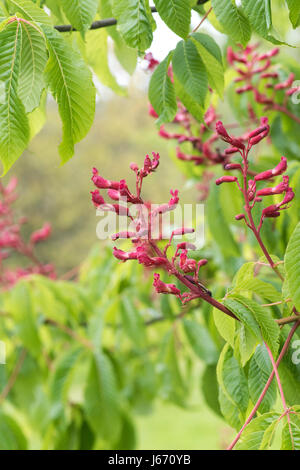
<point>80,13</point>
<point>176,14</point>
<point>67,76</point>
<point>29,11</point>
<point>291,434</point>
<point>20,304</point>
<point>201,342</point>
<point>233,21</point>
<point>189,69</point>
<point>102,404</point>
<point>269,329</point>
<point>258,12</point>
<point>97,57</point>
<point>292,266</point>
<point>225,325</point>
<point>246,342</point>
<point>230,411</point>
<point>294,8</point>
<point>12,437</point>
<point>14,127</point>
<point>212,58</point>
<point>232,380</point>
<point>245,315</point>
<point>134,22</point>
<point>132,321</point>
<point>259,433</point>
<point>161,92</point>
<point>33,59</point>
<point>61,378</point>
<point>194,108</point>
<point>210,389</point>
<point>259,372</point>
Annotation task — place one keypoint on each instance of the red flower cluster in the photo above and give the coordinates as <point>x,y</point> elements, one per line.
<point>146,249</point>
<point>11,241</point>
<point>248,187</point>
<point>254,69</point>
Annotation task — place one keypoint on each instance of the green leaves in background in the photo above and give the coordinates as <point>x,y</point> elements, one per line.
<point>234,22</point>
<point>176,14</point>
<point>162,93</point>
<point>80,13</point>
<point>294,9</point>
<point>67,75</point>
<point>101,399</point>
<point>201,342</point>
<point>292,266</point>
<point>134,22</point>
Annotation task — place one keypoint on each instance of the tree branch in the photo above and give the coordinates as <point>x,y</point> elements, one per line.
<point>67,28</point>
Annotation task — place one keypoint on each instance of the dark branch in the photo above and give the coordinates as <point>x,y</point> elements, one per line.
<point>66,28</point>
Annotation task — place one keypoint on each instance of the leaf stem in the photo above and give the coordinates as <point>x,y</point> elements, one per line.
<point>266,387</point>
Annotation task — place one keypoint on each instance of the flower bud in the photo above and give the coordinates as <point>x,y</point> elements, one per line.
<point>226,179</point>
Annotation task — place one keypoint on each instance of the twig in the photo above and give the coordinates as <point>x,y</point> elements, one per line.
<point>67,28</point>
<point>202,20</point>
<point>85,342</point>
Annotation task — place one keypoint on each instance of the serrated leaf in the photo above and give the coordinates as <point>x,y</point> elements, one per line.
<point>162,93</point>
<point>245,315</point>
<point>246,342</point>
<point>225,326</point>
<point>258,434</point>
<point>14,127</point>
<point>194,108</point>
<point>134,22</point>
<point>291,433</point>
<point>269,329</point>
<point>97,57</point>
<point>33,59</point>
<point>176,14</point>
<point>62,375</point>
<point>258,12</point>
<point>201,342</point>
<point>189,69</point>
<point>233,21</point>
<point>29,11</point>
<point>259,371</point>
<point>230,411</point>
<point>294,8</point>
<point>232,379</point>
<point>292,266</point>
<point>212,58</point>
<point>101,404</point>
<point>80,13</point>
<point>67,76</point>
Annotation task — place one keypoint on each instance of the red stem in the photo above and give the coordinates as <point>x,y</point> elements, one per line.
<point>266,387</point>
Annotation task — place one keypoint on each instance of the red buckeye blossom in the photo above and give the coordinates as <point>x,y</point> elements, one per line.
<point>248,187</point>
<point>12,241</point>
<point>147,250</point>
<point>41,234</point>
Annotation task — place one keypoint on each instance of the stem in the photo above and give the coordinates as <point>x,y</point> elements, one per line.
<point>283,109</point>
<point>67,28</point>
<point>275,369</point>
<point>202,20</point>
<point>266,387</point>
<point>249,214</point>
<point>193,287</point>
